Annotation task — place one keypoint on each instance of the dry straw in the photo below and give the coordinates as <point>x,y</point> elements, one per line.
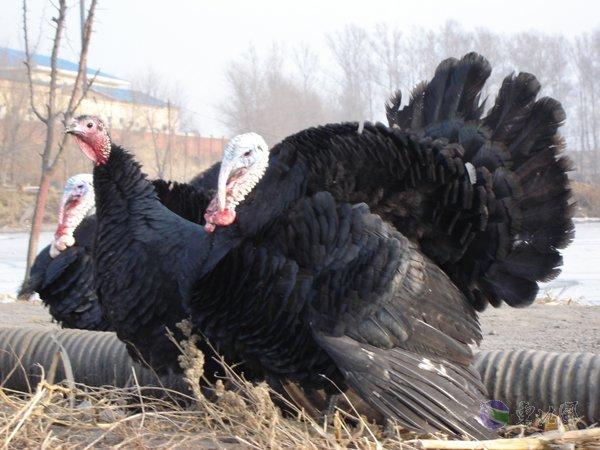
<point>239,415</point>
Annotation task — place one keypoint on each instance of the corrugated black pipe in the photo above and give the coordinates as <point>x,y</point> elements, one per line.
<point>541,380</point>
<point>96,358</point>
<point>531,382</point>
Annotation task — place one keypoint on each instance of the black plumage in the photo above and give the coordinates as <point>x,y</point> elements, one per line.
<point>521,198</point>
<point>310,285</point>
<point>65,283</point>
<point>145,257</point>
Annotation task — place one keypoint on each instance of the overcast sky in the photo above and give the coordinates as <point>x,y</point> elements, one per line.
<point>190,42</point>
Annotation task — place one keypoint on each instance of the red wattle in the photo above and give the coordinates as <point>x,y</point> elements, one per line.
<point>220,218</point>
<point>224,218</point>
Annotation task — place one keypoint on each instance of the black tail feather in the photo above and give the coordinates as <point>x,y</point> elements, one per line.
<point>540,210</point>
<point>521,199</point>
<point>454,92</point>
<point>512,106</point>
<point>392,108</point>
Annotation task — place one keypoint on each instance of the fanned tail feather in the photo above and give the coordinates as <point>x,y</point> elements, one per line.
<point>453,92</point>
<point>528,128</point>
<point>501,237</point>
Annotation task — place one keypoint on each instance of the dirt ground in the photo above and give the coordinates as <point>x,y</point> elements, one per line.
<point>559,328</point>
<point>562,328</point>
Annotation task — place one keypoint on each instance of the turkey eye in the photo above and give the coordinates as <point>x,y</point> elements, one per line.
<point>90,125</point>
<point>248,153</point>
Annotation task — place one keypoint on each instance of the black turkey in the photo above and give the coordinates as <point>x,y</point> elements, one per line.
<point>352,256</point>
<point>62,273</point>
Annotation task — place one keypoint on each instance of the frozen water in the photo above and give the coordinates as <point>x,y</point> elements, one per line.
<point>13,252</point>
<point>580,276</point>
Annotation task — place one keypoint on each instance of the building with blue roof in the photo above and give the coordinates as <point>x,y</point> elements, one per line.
<point>15,57</point>
<point>147,125</point>
<point>110,97</point>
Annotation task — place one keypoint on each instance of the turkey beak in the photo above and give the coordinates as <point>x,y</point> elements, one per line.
<point>68,197</point>
<point>74,196</point>
<point>224,173</point>
<point>74,128</point>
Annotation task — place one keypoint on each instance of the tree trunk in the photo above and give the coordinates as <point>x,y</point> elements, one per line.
<point>3,170</point>
<point>37,220</point>
<point>51,112</point>
<point>41,199</point>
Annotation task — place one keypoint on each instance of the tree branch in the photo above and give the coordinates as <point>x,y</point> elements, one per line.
<point>60,25</point>
<point>75,99</point>
<point>28,66</point>
<point>86,88</point>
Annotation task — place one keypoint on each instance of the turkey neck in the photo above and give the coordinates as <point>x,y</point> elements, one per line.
<point>121,187</point>
<point>127,205</point>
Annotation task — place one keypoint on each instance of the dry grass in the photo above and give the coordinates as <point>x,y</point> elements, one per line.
<point>242,416</point>
<point>16,208</point>
<point>587,196</point>
<point>551,298</point>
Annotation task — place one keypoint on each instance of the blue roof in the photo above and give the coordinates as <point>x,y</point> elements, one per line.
<point>128,95</point>
<point>17,57</point>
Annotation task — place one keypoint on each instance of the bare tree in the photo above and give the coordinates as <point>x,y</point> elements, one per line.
<point>53,112</point>
<point>586,54</point>
<point>453,41</point>
<point>493,46</point>
<point>159,106</point>
<point>246,86</point>
<point>356,72</point>
<point>306,62</point>
<point>264,97</point>
<point>388,47</point>
<point>402,59</point>
<point>545,56</point>
<point>371,63</point>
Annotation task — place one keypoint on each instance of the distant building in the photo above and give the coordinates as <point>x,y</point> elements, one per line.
<point>144,124</point>
<point>110,97</point>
